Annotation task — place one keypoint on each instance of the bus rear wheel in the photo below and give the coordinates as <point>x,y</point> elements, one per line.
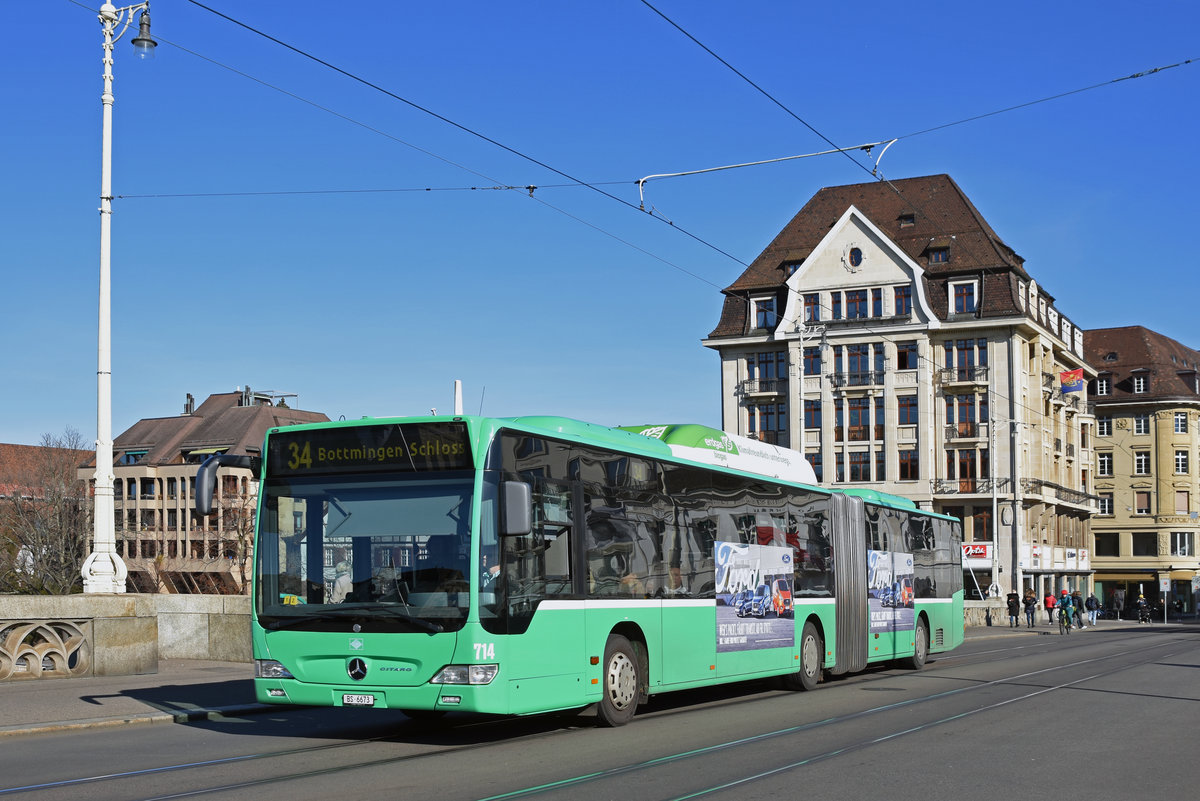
<point>621,681</point>
<point>811,651</point>
<point>920,647</point>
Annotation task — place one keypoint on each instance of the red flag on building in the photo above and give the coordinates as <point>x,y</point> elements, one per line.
<point>1072,380</point>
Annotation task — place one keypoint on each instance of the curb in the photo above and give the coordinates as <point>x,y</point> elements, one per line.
<point>188,716</point>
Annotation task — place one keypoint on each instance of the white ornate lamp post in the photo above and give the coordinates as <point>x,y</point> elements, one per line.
<point>104,570</point>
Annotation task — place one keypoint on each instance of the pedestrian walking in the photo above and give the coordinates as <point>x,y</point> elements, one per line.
<point>1049,603</point>
<point>1092,605</point>
<point>1014,610</point>
<point>1031,603</point>
<point>1077,603</point>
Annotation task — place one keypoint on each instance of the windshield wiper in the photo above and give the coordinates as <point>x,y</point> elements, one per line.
<point>364,612</point>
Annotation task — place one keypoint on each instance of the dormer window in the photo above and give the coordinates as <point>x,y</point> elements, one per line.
<point>939,255</point>
<point>908,219</point>
<point>131,457</point>
<point>790,268</point>
<point>764,313</point>
<point>1140,384</point>
<point>1103,385</point>
<point>962,298</point>
<point>1111,356</point>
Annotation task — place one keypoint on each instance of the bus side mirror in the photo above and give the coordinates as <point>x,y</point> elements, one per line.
<point>206,477</point>
<point>516,505</point>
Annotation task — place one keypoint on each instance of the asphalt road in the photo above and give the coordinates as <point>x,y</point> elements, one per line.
<point>1099,714</point>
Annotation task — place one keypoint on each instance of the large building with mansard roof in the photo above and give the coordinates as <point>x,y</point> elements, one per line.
<point>891,335</point>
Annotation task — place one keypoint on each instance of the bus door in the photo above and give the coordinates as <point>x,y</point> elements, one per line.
<point>544,660</point>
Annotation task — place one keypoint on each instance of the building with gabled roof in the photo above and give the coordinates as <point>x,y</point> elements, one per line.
<point>891,335</point>
<point>166,545</point>
<point>1146,399</point>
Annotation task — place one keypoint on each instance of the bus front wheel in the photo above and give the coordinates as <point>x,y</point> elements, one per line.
<point>621,682</point>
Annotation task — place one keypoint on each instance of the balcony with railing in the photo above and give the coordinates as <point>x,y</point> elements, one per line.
<point>857,433</point>
<point>873,378</point>
<point>972,374</point>
<point>970,430</point>
<point>1037,486</point>
<point>968,486</point>
<point>763,386</point>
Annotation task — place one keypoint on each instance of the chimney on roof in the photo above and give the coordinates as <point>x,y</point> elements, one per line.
<point>189,406</point>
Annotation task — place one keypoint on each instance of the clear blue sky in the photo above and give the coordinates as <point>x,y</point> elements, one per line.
<point>373,302</point>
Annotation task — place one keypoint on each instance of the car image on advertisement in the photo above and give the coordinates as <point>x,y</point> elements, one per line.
<point>739,602</point>
<point>781,597</point>
<point>760,602</point>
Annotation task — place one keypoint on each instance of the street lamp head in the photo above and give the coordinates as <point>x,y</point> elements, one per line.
<point>143,45</point>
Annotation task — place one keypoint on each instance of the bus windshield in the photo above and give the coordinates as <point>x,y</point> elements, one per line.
<point>388,552</point>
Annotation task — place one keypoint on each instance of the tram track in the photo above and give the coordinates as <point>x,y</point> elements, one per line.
<point>497,732</point>
<point>1020,679</point>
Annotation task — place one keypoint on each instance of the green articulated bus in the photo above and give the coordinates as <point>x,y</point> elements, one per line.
<point>531,564</point>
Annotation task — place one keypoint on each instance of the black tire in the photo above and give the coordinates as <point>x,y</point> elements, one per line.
<point>621,682</point>
<point>812,652</point>
<point>920,647</point>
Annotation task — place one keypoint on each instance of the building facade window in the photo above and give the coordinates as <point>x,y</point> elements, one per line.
<point>835,305</point>
<point>906,355</point>
<point>1181,426</point>
<point>1183,543</point>
<point>1141,463</point>
<point>903,296</point>
<point>1141,502</point>
<point>1104,426</point>
<point>856,304</point>
<point>939,255</point>
<point>768,423</point>
<point>860,466</point>
<point>812,308</point>
<point>1107,543</point>
<point>876,302</point>
<point>767,366</point>
<point>910,466</point>
<point>906,410</point>
<point>1182,502</point>
<point>1140,384</point>
<point>764,313</point>
<point>1103,386</point>
<point>1106,503</point>
<point>1145,543</point>
<point>1181,463</point>
<point>812,361</point>
<point>1104,464</point>
<point>858,411</point>
<point>812,414</point>
<point>1141,424</point>
<point>964,298</point>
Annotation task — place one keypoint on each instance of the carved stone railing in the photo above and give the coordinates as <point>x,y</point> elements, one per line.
<point>44,649</point>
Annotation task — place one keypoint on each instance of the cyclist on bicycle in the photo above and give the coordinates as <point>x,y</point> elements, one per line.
<point>1066,611</point>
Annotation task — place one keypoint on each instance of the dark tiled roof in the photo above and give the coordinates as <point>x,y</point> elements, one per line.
<point>219,422</point>
<point>21,466</point>
<point>1121,352</point>
<point>941,216</point>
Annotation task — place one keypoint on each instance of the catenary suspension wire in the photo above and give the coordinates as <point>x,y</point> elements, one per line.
<point>454,124</point>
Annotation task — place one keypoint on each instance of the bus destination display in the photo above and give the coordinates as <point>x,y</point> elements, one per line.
<point>409,447</point>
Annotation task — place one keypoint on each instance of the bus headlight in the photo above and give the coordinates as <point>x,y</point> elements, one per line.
<point>466,674</point>
<point>270,669</point>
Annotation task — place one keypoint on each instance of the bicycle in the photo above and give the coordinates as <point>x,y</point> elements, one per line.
<point>1064,621</point>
